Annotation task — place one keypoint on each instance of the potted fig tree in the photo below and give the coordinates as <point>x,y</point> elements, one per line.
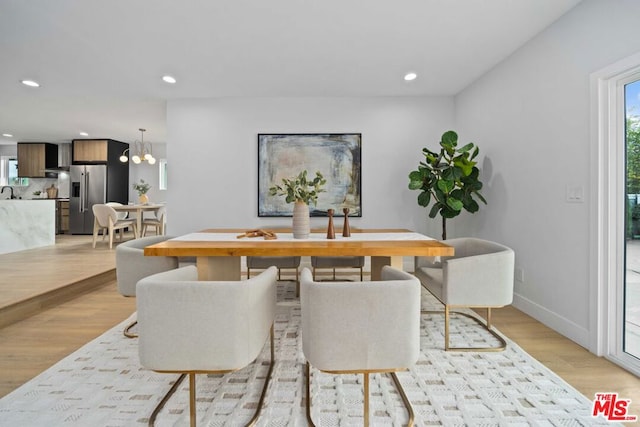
<point>449,179</point>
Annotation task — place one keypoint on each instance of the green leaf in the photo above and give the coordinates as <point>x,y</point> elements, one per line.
<point>416,175</point>
<point>480,197</point>
<point>446,185</point>
<point>455,204</point>
<point>466,148</point>
<point>424,198</point>
<point>415,185</point>
<point>464,164</point>
<point>434,210</point>
<point>447,212</point>
<point>475,153</point>
<point>457,194</point>
<point>449,138</point>
<point>471,206</point>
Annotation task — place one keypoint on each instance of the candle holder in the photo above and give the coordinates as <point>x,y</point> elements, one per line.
<point>331,234</point>
<point>346,229</point>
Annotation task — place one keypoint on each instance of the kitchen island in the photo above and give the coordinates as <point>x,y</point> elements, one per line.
<point>26,224</point>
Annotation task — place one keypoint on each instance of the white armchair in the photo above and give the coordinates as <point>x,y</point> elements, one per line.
<point>189,326</point>
<point>132,265</point>
<point>361,327</point>
<point>479,275</point>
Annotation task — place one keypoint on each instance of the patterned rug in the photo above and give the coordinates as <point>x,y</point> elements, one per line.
<point>103,384</point>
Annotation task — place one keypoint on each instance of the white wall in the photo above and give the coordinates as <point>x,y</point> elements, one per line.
<point>212,151</point>
<point>530,116</point>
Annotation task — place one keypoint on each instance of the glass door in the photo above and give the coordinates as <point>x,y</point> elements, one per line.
<point>631,291</point>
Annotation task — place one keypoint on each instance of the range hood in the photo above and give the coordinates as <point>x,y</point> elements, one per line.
<point>64,160</point>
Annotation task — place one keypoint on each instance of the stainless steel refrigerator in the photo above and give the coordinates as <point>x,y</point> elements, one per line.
<point>88,187</point>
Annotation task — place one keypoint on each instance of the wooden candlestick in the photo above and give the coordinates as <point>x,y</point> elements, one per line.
<point>346,230</point>
<point>331,234</point>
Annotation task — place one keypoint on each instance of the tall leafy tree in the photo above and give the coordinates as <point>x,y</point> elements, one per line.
<point>449,179</point>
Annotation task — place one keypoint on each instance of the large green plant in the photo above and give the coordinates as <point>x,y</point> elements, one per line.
<point>449,179</point>
<point>300,188</point>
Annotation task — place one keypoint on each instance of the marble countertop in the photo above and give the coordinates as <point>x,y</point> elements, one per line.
<point>25,225</point>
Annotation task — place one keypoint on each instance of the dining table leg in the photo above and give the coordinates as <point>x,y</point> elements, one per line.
<point>218,267</point>
<point>377,262</point>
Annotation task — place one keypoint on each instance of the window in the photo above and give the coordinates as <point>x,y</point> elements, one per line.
<point>162,181</point>
<point>9,172</point>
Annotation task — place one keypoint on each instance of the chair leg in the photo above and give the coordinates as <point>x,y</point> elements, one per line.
<point>366,399</point>
<point>192,391</point>
<point>447,318</point>
<point>165,399</point>
<point>111,238</point>
<point>405,399</point>
<point>446,328</point>
<point>396,381</point>
<point>192,399</point>
<point>297,283</point>
<point>128,328</point>
<point>95,233</point>
<point>361,274</point>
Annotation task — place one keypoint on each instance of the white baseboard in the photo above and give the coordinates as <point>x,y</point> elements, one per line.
<point>554,321</point>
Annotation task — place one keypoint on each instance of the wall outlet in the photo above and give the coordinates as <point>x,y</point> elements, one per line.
<point>519,274</point>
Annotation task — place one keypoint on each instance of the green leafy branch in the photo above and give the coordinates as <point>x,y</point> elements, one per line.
<point>300,188</point>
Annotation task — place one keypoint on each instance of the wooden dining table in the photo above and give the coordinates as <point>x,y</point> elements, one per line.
<point>139,210</point>
<point>218,252</point>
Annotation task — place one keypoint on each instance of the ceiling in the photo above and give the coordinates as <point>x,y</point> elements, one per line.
<point>100,63</point>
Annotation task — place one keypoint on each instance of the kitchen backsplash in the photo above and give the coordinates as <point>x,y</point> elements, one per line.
<point>41,184</point>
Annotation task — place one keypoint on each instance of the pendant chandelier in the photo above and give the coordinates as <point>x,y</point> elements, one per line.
<point>141,151</point>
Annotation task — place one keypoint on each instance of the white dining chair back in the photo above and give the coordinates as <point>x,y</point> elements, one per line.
<point>478,275</point>
<point>121,214</point>
<point>106,220</point>
<point>190,327</point>
<point>361,327</point>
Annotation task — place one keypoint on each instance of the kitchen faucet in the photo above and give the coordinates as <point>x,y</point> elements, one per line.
<point>10,188</point>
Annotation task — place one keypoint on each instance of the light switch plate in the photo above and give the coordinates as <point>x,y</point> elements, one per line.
<point>575,193</point>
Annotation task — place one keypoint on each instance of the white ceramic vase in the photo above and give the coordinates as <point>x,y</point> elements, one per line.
<point>301,227</point>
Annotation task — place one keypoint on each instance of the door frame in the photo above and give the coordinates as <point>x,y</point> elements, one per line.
<point>607,224</point>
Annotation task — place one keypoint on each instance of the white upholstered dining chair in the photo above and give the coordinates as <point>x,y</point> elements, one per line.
<point>479,275</point>
<point>361,327</point>
<point>189,327</point>
<point>106,220</point>
<point>132,266</point>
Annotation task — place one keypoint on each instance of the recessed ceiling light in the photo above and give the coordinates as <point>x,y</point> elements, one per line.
<point>169,79</point>
<point>410,76</point>
<point>8,135</point>
<point>30,83</point>
<point>84,134</point>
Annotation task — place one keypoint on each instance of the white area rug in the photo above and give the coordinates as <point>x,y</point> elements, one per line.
<point>103,384</point>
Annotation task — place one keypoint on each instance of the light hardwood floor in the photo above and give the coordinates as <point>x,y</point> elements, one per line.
<point>32,345</point>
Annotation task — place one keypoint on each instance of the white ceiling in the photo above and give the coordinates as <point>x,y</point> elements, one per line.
<point>100,62</point>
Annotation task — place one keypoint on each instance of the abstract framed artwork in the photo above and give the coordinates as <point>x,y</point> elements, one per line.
<point>337,156</point>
